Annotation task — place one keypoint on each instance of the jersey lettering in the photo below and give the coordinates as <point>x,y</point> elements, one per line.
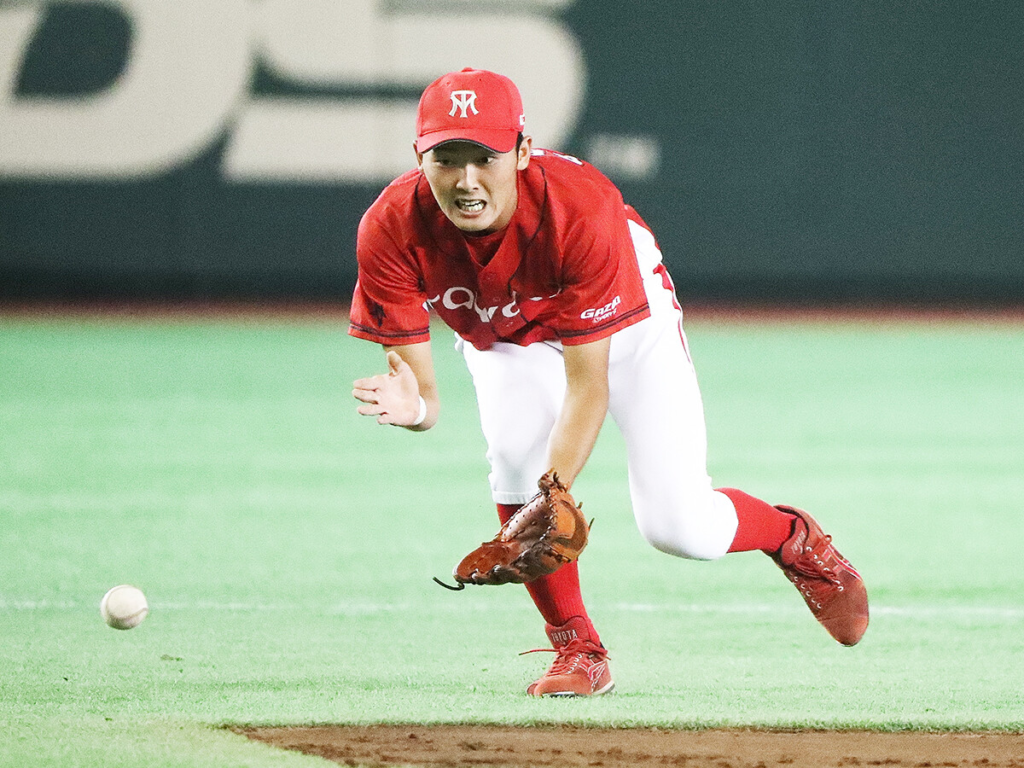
<point>599,314</point>
<point>459,297</point>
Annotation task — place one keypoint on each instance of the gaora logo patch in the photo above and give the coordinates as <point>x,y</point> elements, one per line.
<point>600,313</point>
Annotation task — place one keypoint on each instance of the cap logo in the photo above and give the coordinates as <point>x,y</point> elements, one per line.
<point>464,101</point>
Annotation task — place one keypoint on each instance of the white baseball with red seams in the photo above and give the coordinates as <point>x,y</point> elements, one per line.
<point>124,607</point>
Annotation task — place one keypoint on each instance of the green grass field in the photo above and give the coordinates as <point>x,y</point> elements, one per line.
<point>287,546</point>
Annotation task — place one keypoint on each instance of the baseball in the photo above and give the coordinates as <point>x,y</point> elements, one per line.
<point>124,607</point>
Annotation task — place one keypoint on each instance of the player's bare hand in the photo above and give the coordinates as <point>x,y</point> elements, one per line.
<point>393,397</point>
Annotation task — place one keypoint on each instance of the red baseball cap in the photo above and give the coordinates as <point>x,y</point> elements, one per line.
<point>470,105</point>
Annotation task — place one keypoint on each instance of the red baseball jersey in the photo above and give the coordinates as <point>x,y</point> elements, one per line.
<point>564,268</point>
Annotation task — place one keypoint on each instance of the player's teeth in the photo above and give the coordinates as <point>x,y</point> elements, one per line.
<point>474,205</point>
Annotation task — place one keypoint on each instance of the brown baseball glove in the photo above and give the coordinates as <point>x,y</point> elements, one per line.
<point>545,533</point>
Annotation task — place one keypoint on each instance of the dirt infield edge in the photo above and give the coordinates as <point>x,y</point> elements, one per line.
<point>569,746</point>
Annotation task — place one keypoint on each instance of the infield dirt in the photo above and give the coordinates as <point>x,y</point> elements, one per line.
<point>565,746</point>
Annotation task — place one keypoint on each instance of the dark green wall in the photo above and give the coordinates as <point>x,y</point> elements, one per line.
<point>809,150</point>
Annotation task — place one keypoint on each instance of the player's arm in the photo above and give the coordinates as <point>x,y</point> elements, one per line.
<point>394,397</point>
<point>584,408</point>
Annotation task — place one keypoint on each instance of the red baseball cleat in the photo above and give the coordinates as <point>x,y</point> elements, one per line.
<point>830,586</point>
<point>581,666</point>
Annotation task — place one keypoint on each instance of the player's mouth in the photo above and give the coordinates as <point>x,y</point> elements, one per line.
<point>470,206</point>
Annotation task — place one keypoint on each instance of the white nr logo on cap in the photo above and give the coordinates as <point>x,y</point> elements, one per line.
<point>463,100</point>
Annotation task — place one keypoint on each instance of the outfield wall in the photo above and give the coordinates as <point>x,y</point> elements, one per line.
<point>783,150</point>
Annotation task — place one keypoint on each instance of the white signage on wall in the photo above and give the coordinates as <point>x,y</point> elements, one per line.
<point>187,83</point>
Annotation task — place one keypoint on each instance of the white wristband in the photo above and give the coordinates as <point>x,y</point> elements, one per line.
<point>423,413</point>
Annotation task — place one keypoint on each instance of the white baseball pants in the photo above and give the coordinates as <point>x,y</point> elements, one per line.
<point>655,402</point>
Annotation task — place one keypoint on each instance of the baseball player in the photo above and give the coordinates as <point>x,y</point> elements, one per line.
<point>564,313</point>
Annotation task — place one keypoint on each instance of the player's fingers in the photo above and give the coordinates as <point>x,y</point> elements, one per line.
<point>370,410</point>
<point>366,395</point>
<point>372,382</point>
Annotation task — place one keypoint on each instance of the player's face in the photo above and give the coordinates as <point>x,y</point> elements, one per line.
<point>475,187</point>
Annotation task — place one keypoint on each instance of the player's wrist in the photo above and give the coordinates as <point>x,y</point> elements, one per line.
<point>422,416</point>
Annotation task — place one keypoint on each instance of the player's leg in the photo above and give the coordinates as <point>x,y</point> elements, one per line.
<point>679,512</point>
<point>656,403</point>
<point>519,394</point>
<point>655,400</point>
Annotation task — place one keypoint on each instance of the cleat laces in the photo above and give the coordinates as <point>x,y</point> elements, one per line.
<point>811,564</point>
<point>576,654</point>
<point>819,578</point>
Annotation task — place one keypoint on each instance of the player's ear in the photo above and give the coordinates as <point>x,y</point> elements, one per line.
<point>419,156</point>
<point>524,153</point>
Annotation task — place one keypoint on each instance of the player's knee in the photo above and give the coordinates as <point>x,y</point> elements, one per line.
<point>680,542</point>
<point>701,530</point>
